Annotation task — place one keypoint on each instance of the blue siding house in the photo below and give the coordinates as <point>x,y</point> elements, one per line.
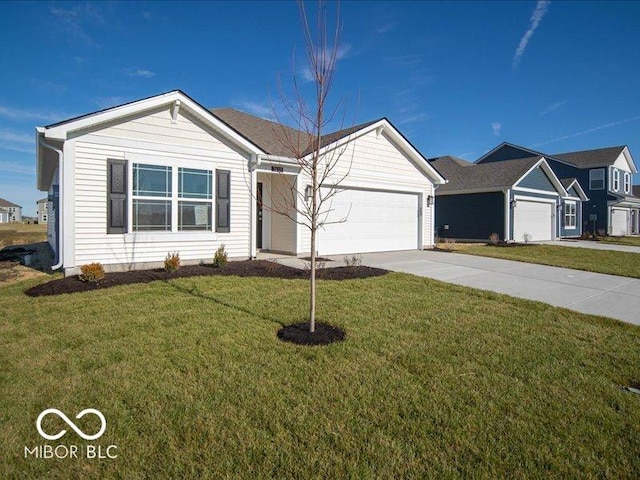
<point>604,175</point>
<point>519,199</point>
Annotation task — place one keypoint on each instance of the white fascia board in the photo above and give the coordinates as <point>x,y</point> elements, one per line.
<point>581,193</point>
<point>62,131</point>
<point>629,158</point>
<point>550,173</point>
<point>414,154</point>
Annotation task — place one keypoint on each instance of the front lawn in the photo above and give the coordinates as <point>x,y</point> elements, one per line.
<point>625,264</point>
<point>22,233</point>
<point>632,241</point>
<point>432,381</point>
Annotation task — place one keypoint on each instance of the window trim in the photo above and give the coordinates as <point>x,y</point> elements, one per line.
<point>615,179</point>
<point>627,182</point>
<point>591,179</point>
<point>174,163</point>
<point>569,215</point>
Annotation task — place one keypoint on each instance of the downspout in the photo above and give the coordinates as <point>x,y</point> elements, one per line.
<point>59,234</point>
<point>507,214</point>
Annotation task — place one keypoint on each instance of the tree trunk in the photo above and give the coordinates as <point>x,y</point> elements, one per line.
<point>312,289</point>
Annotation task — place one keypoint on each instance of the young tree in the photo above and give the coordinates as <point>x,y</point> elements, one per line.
<point>312,115</point>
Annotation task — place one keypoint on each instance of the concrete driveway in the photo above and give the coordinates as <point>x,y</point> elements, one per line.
<point>594,293</point>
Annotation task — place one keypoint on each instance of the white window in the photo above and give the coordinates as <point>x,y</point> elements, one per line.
<point>615,180</point>
<point>570,215</point>
<point>155,198</point>
<point>596,179</point>
<point>627,182</point>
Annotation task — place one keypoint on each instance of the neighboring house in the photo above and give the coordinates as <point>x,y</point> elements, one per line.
<point>43,210</point>
<point>131,183</point>
<point>605,174</point>
<point>517,199</point>
<point>13,211</point>
<point>4,215</point>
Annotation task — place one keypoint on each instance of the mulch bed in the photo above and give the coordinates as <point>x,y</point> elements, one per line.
<point>246,268</point>
<point>299,334</point>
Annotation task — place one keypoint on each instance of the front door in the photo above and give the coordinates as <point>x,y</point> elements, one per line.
<point>259,216</point>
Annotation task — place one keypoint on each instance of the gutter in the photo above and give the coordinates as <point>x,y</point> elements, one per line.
<point>59,235</point>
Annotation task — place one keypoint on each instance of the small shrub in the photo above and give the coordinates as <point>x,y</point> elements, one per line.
<point>448,243</point>
<point>220,258</point>
<point>91,272</point>
<point>494,239</point>
<point>526,237</point>
<point>601,232</point>
<point>172,262</point>
<point>354,260</point>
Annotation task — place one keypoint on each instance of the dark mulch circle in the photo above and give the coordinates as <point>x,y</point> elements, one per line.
<point>299,334</point>
<point>246,268</point>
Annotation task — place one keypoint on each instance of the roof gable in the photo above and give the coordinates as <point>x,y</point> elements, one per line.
<point>537,179</point>
<point>7,204</point>
<point>600,157</point>
<point>507,151</point>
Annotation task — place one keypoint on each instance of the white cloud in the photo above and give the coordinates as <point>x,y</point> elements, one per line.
<point>496,127</point>
<point>17,141</point>
<point>19,114</point>
<point>18,168</point>
<point>72,20</point>
<point>261,110</point>
<point>323,57</point>
<point>412,117</point>
<point>108,102</point>
<point>408,60</point>
<point>590,130</point>
<point>536,17</point>
<point>140,72</point>
<point>553,107</point>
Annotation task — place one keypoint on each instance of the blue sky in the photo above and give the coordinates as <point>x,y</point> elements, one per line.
<point>456,78</point>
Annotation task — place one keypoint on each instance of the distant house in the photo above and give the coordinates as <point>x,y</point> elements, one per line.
<point>43,210</point>
<point>605,174</point>
<point>12,210</point>
<point>4,215</point>
<point>517,199</point>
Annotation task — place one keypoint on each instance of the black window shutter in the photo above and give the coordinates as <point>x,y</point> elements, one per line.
<point>116,196</point>
<point>223,201</point>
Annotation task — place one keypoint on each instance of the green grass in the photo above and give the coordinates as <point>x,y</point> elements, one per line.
<point>433,381</point>
<point>626,264</point>
<point>632,241</point>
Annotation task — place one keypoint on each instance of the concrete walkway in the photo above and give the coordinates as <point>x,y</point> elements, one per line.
<point>593,245</point>
<point>594,293</point>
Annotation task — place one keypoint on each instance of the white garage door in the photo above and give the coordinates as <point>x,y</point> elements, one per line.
<point>619,221</point>
<point>376,222</point>
<point>534,218</point>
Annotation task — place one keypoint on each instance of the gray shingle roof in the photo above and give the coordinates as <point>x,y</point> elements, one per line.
<point>566,182</point>
<point>6,203</point>
<point>463,175</point>
<point>275,138</point>
<point>591,158</point>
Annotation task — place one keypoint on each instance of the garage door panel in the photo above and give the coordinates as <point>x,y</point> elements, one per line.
<point>533,218</point>
<point>619,221</point>
<point>375,221</point>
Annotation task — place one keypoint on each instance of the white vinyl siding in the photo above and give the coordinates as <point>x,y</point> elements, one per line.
<point>142,142</point>
<point>374,162</point>
<point>283,229</point>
